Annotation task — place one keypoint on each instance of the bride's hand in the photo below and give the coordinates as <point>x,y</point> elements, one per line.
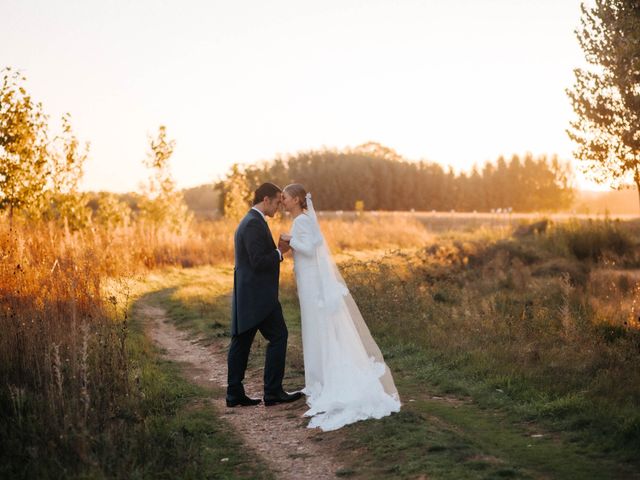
<point>285,237</point>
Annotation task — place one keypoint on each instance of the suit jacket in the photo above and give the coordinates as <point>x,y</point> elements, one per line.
<point>256,274</point>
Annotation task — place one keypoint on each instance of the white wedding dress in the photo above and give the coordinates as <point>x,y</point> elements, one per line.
<point>346,378</point>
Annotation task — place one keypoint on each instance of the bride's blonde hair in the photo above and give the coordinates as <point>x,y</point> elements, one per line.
<point>297,191</point>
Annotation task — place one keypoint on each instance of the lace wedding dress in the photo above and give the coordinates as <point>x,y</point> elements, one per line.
<point>346,378</point>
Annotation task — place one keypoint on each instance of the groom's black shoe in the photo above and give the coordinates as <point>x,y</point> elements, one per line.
<point>282,397</point>
<point>243,401</point>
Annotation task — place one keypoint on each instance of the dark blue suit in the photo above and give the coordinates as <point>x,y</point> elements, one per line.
<point>255,305</point>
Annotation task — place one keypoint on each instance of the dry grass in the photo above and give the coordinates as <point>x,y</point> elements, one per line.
<point>65,372</point>
<point>63,361</point>
<point>557,336</point>
<point>211,242</point>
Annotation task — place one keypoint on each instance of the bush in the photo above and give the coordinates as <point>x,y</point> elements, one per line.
<point>594,240</point>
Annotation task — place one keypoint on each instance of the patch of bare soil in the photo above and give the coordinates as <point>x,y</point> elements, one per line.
<point>278,434</point>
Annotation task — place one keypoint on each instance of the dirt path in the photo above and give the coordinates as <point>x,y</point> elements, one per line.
<point>278,434</point>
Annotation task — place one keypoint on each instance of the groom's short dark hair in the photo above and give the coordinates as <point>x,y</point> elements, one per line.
<point>265,190</point>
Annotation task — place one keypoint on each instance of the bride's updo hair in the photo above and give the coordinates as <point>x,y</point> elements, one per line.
<point>297,191</point>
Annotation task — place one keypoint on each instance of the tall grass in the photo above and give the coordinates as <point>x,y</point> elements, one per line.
<point>553,332</point>
<point>63,361</point>
<point>73,399</point>
<point>71,396</point>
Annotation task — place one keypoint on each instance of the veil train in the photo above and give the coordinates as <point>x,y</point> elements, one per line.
<point>334,294</point>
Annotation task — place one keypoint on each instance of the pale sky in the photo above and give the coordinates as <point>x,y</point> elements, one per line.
<point>457,82</point>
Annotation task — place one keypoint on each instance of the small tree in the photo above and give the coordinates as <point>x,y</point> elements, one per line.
<point>24,166</point>
<point>606,96</point>
<point>163,204</point>
<point>111,212</point>
<point>68,160</point>
<point>67,157</point>
<point>235,195</point>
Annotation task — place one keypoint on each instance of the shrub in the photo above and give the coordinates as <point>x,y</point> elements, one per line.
<point>593,240</point>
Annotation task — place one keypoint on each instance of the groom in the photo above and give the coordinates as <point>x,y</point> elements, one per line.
<point>255,302</point>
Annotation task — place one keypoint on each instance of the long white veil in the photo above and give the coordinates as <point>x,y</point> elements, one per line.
<point>335,295</point>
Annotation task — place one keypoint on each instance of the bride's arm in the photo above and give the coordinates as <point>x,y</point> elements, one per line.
<point>302,238</point>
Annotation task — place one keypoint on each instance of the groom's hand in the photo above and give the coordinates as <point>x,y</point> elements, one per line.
<point>283,246</point>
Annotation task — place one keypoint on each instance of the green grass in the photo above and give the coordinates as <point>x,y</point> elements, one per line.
<point>480,425</point>
<point>454,430</point>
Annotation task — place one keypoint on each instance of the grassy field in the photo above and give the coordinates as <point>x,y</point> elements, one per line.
<point>515,357</point>
<point>74,402</point>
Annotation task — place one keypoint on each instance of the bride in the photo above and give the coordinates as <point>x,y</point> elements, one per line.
<point>346,378</point>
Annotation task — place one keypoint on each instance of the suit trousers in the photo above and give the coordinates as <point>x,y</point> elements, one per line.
<point>274,330</point>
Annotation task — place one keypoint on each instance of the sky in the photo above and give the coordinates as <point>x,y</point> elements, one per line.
<point>458,82</point>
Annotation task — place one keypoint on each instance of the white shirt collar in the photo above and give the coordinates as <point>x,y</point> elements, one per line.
<point>263,217</point>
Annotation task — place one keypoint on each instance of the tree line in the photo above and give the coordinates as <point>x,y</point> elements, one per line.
<point>380,179</point>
